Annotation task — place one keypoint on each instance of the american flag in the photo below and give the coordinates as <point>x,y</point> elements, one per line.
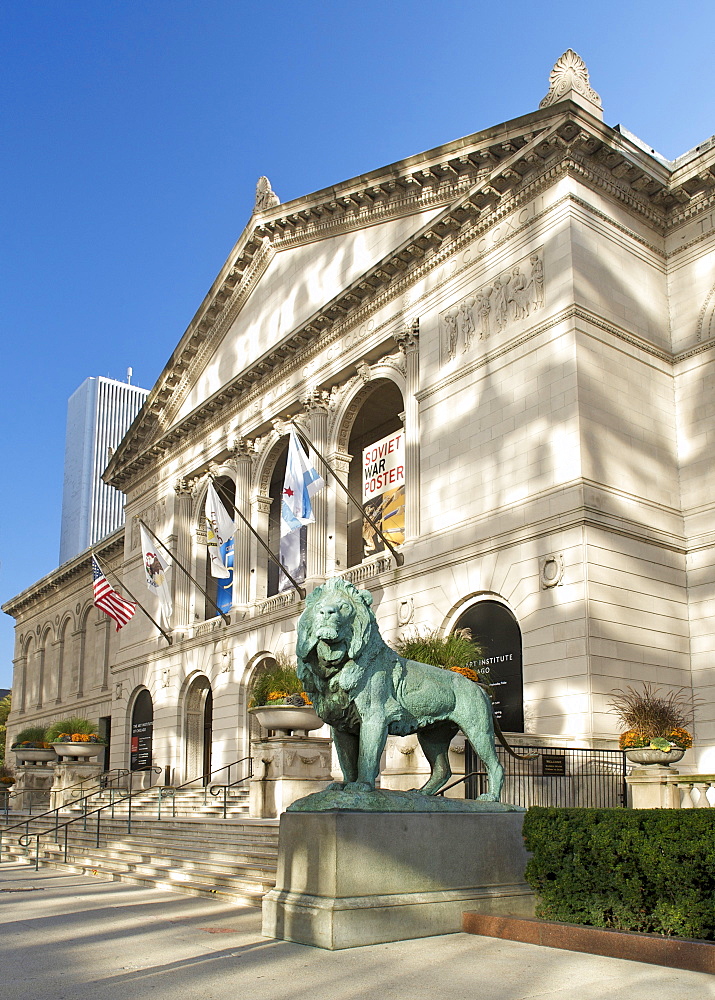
<point>108,600</point>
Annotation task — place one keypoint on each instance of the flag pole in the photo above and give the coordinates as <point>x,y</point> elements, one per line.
<point>399,558</point>
<point>138,603</point>
<point>276,560</point>
<point>181,566</point>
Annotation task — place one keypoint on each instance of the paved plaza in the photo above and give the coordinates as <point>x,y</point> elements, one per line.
<point>69,937</point>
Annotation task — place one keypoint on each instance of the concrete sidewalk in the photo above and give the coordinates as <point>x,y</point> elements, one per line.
<point>69,937</point>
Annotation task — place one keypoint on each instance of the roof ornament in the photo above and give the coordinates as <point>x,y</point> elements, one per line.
<point>265,196</point>
<point>569,81</point>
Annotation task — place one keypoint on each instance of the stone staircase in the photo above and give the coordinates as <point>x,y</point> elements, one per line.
<point>196,853</point>
<point>183,802</point>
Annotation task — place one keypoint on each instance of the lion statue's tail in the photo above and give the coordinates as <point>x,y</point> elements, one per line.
<point>512,753</point>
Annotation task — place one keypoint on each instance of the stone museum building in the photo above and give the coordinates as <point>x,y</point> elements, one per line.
<point>529,313</point>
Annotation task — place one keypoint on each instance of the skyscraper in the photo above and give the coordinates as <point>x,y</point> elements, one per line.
<point>99,414</point>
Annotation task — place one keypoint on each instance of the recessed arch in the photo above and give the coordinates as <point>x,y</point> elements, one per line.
<point>495,626</point>
<point>259,662</point>
<point>197,729</point>
<point>141,716</point>
<point>373,415</point>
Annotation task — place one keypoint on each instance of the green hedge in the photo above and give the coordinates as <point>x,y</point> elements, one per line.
<point>628,869</point>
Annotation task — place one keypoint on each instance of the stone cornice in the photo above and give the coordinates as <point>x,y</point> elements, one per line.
<point>68,572</point>
<point>474,180</point>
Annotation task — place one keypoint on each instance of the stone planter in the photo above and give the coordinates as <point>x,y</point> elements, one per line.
<point>36,756</point>
<point>645,755</point>
<point>287,718</point>
<point>78,751</point>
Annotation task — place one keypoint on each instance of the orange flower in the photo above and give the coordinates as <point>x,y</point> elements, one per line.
<point>466,672</point>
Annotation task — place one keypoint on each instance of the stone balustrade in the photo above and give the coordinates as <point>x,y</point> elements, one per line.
<point>656,787</point>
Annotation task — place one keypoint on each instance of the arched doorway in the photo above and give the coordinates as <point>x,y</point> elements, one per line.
<point>140,758</point>
<point>495,628</point>
<point>377,472</point>
<point>198,730</point>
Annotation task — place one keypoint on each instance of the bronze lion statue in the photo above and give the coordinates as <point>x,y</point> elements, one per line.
<point>365,691</point>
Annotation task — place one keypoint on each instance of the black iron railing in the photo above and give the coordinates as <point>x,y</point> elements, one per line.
<point>557,776</point>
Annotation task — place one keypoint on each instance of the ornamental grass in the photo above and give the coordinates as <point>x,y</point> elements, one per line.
<point>456,651</point>
<point>71,729</point>
<point>649,715</point>
<point>276,683</point>
<point>31,738</point>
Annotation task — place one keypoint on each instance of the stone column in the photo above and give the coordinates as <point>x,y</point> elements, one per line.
<point>80,636</point>
<point>60,665</point>
<point>340,510</point>
<point>316,405</point>
<point>103,644</point>
<point>19,682</point>
<point>40,662</point>
<point>182,586</point>
<point>408,343</point>
<point>243,540</point>
<point>260,509</point>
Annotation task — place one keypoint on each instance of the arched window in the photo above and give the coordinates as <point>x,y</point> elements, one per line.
<point>495,628</point>
<point>377,472</point>
<point>142,732</point>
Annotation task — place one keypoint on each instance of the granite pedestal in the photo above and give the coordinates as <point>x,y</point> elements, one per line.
<point>347,879</point>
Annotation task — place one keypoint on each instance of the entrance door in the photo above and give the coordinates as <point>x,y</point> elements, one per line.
<point>197,730</point>
<point>208,725</point>
<point>142,733</point>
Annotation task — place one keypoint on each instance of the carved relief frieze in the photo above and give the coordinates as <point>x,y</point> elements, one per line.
<point>511,296</point>
<point>151,516</point>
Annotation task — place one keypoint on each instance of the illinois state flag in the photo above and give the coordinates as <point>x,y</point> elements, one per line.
<point>300,484</point>
<point>155,567</point>
<point>220,529</point>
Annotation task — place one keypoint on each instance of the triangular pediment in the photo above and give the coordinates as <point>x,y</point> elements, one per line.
<point>302,266</point>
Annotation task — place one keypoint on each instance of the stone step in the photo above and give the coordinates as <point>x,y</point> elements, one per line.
<point>181,869</point>
<point>236,892</point>
<point>234,859</point>
<point>177,851</point>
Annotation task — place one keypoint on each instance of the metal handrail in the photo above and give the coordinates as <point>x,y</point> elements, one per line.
<point>78,784</point>
<point>25,839</point>
<point>217,789</point>
<point>56,811</point>
<point>206,778</point>
<point>453,784</point>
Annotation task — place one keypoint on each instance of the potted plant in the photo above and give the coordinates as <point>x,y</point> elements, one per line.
<point>655,723</point>
<point>31,746</point>
<point>7,779</point>
<point>278,700</point>
<point>75,738</point>
<point>456,651</point>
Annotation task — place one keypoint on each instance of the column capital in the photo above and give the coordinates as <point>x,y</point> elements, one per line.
<point>407,339</point>
<point>317,399</point>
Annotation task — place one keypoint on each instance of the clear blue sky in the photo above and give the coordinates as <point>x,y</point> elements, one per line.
<point>133,134</point>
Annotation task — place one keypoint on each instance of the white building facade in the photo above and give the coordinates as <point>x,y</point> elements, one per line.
<point>99,413</point>
<point>532,306</point>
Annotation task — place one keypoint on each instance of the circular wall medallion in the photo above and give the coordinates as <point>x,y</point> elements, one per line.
<point>552,571</point>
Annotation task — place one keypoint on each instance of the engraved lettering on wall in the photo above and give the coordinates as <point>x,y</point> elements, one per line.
<point>511,296</point>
